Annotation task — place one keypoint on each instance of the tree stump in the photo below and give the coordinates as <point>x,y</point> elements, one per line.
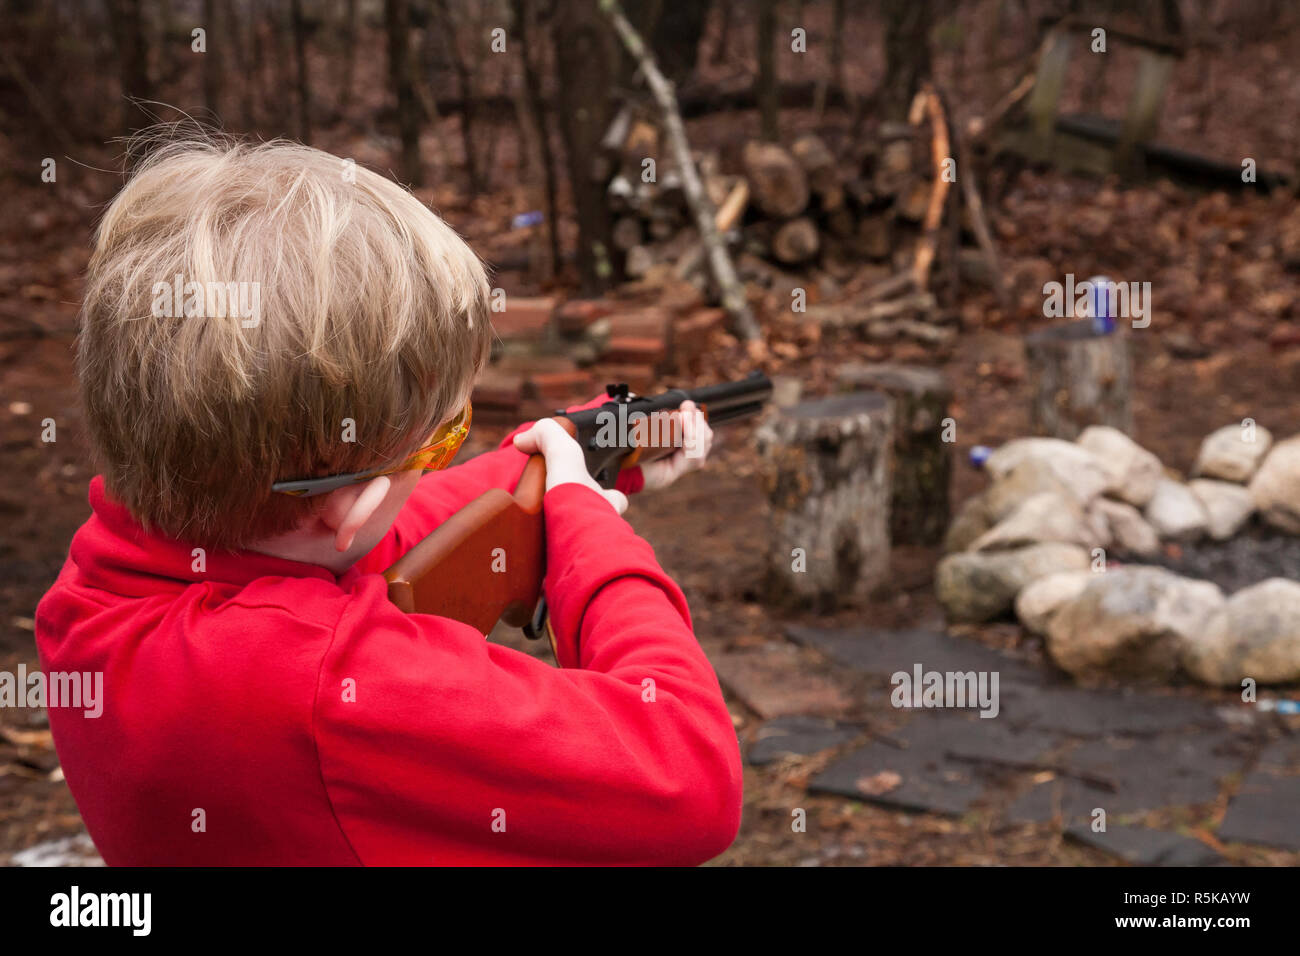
<point>1078,378</point>
<point>826,471</point>
<point>918,510</point>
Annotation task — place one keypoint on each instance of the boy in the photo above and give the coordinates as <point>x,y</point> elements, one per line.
<point>264,702</point>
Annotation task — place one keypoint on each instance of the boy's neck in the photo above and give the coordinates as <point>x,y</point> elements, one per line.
<point>317,549</point>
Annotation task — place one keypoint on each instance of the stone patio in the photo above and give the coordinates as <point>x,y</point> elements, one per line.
<point>1053,753</point>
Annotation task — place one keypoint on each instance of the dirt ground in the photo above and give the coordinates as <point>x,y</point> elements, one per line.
<point>1224,344</point>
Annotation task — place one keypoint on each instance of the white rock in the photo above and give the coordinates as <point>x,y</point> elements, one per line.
<point>1228,505</point>
<point>1134,471</point>
<point>1040,599</point>
<point>971,520</point>
<point>1176,513</point>
<point>1133,622</point>
<point>1255,634</point>
<point>1047,516</point>
<point>1276,486</point>
<point>1099,526</point>
<point>1009,490</point>
<point>1077,468</point>
<point>1129,531</point>
<point>1225,453</point>
<point>979,586</point>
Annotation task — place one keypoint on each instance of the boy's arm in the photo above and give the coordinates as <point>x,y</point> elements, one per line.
<point>628,755</point>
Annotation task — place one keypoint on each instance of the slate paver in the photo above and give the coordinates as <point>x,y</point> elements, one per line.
<point>1127,751</point>
<point>1094,713</point>
<point>798,735</point>
<point>1143,846</point>
<point>994,741</point>
<point>1135,774</point>
<point>771,682</point>
<point>884,652</point>
<point>1266,809</point>
<point>937,764</point>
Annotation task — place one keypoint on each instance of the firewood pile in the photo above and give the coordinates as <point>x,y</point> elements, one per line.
<point>874,223</point>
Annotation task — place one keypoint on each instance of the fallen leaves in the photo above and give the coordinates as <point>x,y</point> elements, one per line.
<point>879,783</point>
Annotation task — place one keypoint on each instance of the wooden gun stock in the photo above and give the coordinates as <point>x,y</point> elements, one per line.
<point>450,573</point>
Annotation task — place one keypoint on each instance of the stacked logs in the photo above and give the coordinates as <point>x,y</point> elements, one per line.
<point>873,211</point>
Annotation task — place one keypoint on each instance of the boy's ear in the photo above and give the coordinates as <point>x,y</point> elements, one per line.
<point>348,509</point>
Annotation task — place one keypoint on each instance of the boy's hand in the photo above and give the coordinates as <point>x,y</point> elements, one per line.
<point>697,440</point>
<point>564,461</point>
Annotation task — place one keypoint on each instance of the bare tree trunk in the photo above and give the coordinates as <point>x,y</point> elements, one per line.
<point>587,63</point>
<point>216,24</point>
<point>36,101</point>
<point>350,26</point>
<point>834,76</point>
<point>769,103</point>
<point>907,54</point>
<point>464,81</point>
<point>676,38</point>
<point>719,55</point>
<point>533,96</point>
<point>127,25</point>
<point>300,60</point>
<point>280,58</point>
<point>397,19</point>
<point>244,67</point>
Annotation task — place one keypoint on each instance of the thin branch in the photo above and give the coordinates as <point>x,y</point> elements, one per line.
<point>724,273</point>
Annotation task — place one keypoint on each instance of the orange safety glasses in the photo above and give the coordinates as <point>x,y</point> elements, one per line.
<point>434,455</point>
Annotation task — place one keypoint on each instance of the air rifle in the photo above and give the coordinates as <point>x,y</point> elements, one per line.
<point>486,562</point>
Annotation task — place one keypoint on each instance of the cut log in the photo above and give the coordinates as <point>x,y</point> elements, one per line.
<point>922,459</point>
<point>840,223</point>
<point>777,183</point>
<point>825,467</point>
<point>733,207</point>
<point>818,162</point>
<point>874,238</point>
<point>813,154</point>
<point>796,241</point>
<point>728,214</point>
<point>1078,378</point>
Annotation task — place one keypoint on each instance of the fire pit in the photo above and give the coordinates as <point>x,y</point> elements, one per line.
<point>1127,572</point>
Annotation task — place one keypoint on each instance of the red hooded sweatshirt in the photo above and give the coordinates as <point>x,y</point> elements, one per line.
<point>265,711</point>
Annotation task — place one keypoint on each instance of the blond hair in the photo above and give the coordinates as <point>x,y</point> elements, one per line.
<point>372,321</point>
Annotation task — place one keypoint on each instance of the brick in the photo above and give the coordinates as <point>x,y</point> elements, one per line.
<point>694,333</point>
<point>498,391</point>
<point>560,388</point>
<point>524,318</point>
<point>532,364</point>
<point>635,350</point>
<point>642,323</point>
<point>573,317</point>
<point>639,378</point>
